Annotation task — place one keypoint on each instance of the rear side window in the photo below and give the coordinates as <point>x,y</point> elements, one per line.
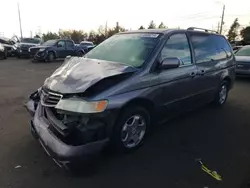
<point>222,45</point>
<point>70,44</point>
<point>210,47</point>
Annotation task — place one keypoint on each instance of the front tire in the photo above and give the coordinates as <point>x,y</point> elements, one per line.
<point>130,129</point>
<point>222,94</point>
<point>5,54</point>
<point>50,57</point>
<point>80,54</point>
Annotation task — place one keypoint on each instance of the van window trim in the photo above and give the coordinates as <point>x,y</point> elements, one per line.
<point>209,34</point>
<point>166,38</point>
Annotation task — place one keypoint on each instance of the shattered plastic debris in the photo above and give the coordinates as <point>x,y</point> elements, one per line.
<point>214,174</point>
<point>18,166</point>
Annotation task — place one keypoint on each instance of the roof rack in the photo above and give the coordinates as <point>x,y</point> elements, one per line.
<point>197,28</point>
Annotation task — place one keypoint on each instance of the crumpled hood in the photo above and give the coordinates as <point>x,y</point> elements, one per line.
<point>76,74</point>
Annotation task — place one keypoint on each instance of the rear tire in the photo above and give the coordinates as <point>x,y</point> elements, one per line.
<point>222,94</point>
<point>128,136</point>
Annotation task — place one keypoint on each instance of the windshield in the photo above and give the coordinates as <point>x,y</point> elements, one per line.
<point>50,43</point>
<point>245,51</point>
<point>131,49</point>
<point>31,40</point>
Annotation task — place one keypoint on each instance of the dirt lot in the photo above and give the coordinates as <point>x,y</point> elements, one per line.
<point>220,137</point>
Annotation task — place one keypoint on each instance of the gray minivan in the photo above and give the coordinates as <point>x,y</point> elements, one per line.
<point>126,84</point>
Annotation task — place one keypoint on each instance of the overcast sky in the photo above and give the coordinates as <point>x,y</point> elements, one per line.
<point>50,15</point>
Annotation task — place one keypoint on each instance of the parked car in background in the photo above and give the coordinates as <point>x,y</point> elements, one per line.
<point>9,45</point>
<point>3,52</point>
<point>236,48</point>
<point>243,61</point>
<point>114,93</point>
<point>86,43</point>
<point>56,49</point>
<point>89,45</point>
<point>22,47</point>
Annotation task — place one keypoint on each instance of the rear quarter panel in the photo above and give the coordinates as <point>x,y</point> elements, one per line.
<point>228,70</point>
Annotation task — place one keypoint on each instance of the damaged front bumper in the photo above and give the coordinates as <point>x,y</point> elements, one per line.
<point>62,150</point>
<point>40,56</point>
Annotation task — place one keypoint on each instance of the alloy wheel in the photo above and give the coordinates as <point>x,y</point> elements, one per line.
<point>223,94</point>
<point>133,131</point>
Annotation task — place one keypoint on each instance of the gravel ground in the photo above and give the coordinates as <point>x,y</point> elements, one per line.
<point>220,137</point>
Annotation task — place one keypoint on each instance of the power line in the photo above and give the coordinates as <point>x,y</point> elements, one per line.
<point>201,18</point>
<point>194,15</point>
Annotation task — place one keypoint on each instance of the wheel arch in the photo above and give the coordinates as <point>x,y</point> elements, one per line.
<point>53,51</point>
<point>80,50</point>
<point>143,102</point>
<point>228,80</point>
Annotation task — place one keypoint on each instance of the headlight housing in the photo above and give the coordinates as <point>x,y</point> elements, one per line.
<point>41,50</point>
<point>81,106</point>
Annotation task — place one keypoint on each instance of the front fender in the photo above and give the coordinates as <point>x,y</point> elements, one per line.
<point>80,50</point>
<point>32,103</point>
<point>52,50</point>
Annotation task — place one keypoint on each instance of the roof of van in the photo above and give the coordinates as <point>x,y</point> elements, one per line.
<point>149,31</point>
<point>165,31</point>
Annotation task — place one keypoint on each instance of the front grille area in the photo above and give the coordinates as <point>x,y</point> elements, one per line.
<point>33,51</point>
<point>40,53</point>
<point>50,98</point>
<point>66,128</point>
<point>25,48</point>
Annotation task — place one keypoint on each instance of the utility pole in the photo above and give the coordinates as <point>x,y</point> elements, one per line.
<point>106,29</point>
<point>20,23</point>
<point>117,27</point>
<point>222,19</point>
<point>218,27</point>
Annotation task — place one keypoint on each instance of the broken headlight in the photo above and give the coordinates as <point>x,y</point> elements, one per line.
<point>81,106</point>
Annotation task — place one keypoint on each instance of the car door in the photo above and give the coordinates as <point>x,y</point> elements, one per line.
<point>70,47</point>
<point>61,49</point>
<point>178,84</point>
<point>210,58</point>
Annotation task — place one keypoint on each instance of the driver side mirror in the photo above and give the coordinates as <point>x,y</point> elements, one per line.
<point>170,63</point>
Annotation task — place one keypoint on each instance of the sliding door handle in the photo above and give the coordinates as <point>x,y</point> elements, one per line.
<point>201,72</point>
<point>192,74</point>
